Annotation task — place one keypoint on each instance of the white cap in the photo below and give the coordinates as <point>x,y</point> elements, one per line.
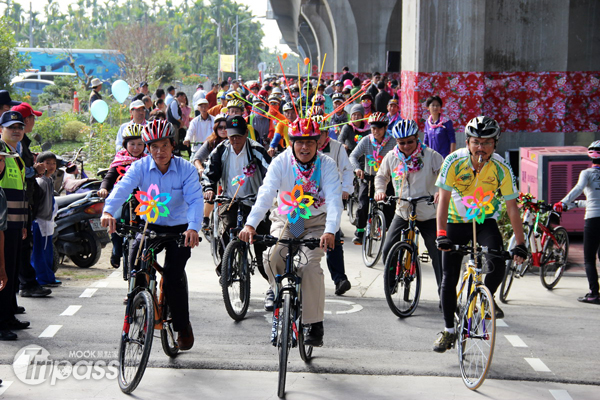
<point>202,101</point>
<point>136,104</point>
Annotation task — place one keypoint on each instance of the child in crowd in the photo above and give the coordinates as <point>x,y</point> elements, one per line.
<point>42,256</point>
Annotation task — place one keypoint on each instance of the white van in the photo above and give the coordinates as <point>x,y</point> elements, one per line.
<point>37,74</point>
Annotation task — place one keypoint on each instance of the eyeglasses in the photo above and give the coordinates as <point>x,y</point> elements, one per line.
<point>16,127</point>
<point>407,143</point>
<point>222,127</point>
<point>483,144</point>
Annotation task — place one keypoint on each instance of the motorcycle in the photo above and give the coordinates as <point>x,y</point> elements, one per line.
<point>78,233</point>
<point>72,178</point>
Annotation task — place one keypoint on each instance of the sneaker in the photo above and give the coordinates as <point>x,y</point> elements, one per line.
<point>590,298</point>
<point>342,287</point>
<point>358,238</point>
<point>445,342</point>
<point>269,300</point>
<point>7,335</point>
<point>185,338</point>
<point>14,324</point>
<point>36,291</point>
<point>314,336</point>
<point>56,283</point>
<point>19,310</point>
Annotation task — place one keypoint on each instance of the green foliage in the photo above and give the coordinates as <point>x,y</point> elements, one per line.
<point>75,131</point>
<point>504,225</point>
<point>10,61</point>
<point>51,128</point>
<point>101,146</point>
<point>62,91</point>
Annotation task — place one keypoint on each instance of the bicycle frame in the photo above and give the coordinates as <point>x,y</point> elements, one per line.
<point>531,220</point>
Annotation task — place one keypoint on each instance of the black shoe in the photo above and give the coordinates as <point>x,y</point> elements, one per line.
<point>589,298</point>
<point>358,238</point>
<point>269,300</point>
<point>56,283</point>
<point>19,310</point>
<point>36,291</point>
<point>314,336</point>
<point>115,261</point>
<point>499,312</point>
<point>7,335</point>
<point>342,287</point>
<point>14,324</point>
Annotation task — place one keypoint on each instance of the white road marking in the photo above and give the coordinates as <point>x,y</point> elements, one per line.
<point>500,322</point>
<point>71,310</point>
<point>560,394</point>
<point>89,292</point>
<point>5,385</point>
<point>537,365</point>
<point>50,331</point>
<point>353,307</point>
<point>102,284</point>
<point>515,340</point>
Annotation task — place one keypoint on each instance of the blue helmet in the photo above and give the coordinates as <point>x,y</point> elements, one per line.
<point>405,128</point>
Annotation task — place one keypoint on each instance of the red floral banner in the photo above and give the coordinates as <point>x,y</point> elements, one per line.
<point>519,101</point>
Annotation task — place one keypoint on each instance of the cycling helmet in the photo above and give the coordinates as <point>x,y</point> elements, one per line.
<point>378,119</point>
<point>318,99</point>
<point>594,150</point>
<point>483,127</point>
<point>132,131</point>
<point>338,97</point>
<point>158,130</point>
<point>288,106</point>
<point>236,104</point>
<point>220,117</point>
<point>231,95</point>
<point>405,128</point>
<point>318,119</point>
<point>303,128</point>
<point>274,97</point>
<point>366,96</point>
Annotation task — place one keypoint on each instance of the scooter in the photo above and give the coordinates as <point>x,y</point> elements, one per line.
<point>71,178</point>
<point>78,233</point>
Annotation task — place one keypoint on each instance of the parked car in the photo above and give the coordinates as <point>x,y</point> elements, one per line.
<point>33,87</point>
<point>39,75</point>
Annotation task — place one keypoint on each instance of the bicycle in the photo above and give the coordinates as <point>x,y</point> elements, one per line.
<point>146,309</point>
<point>475,316</point>
<point>352,203</point>
<point>375,230</point>
<point>402,273</point>
<point>236,270</point>
<point>548,249</point>
<point>287,310</point>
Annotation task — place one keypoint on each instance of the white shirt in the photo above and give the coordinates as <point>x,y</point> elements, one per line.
<point>235,166</point>
<point>200,94</point>
<point>119,140</point>
<point>169,99</point>
<point>338,153</point>
<point>199,130</point>
<point>280,177</point>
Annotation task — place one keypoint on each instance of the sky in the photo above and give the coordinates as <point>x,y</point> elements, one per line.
<point>257,7</point>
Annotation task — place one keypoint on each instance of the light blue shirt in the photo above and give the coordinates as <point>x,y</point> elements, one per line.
<point>180,181</point>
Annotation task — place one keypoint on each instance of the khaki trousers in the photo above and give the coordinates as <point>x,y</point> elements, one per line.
<point>313,282</point>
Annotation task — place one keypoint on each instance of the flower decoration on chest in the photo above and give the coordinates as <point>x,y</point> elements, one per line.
<point>358,138</point>
<point>479,205</point>
<point>295,204</point>
<point>374,160</point>
<point>152,203</point>
<point>121,170</point>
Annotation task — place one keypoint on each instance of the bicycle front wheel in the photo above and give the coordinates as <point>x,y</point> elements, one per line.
<point>284,340</point>
<point>235,280</point>
<point>509,277</point>
<point>374,239</point>
<point>305,349</point>
<point>554,258</point>
<point>167,334</point>
<point>402,280</point>
<point>136,342</point>
<point>477,337</point>
<point>352,207</point>
<point>215,241</point>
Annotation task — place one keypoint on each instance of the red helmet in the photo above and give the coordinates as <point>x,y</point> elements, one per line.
<point>157,130</point>
<point>303,128</point>
<point>378,119</point>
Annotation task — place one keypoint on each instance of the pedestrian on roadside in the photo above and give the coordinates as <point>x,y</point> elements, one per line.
<point>439,132</point>
<point>589,185</point>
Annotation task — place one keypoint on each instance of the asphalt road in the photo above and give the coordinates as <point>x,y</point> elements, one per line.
<point>545,347</point>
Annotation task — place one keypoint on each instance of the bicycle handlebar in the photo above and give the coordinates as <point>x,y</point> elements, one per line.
<point>123,229</point>
<point>311,243</point>
<point>465,250</point>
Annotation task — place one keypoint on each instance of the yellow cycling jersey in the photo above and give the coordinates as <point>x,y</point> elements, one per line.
<point>458,176</point>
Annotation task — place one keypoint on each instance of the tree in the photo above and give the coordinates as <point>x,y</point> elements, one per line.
<point>10,60</point>
<point>139,45</point>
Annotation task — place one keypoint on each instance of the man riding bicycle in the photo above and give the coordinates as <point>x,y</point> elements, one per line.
<point>412,168</point>
<point>318,175</point>
<point>178,178</point>
<point>464,171</point>
<point>234,157</point>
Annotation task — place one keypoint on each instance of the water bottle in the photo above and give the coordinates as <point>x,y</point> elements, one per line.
<point>274,327</point>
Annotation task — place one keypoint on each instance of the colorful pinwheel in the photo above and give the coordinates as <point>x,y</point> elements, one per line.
<point>358,138</point>
<point>121,171</point>
<point>150,205</point>
<point>238,180</point>
<point>479,205</point>
<point>399,171</point>
<point>295,207</point>
<point>374,161</point>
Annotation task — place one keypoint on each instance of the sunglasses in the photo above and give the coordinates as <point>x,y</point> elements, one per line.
<point>222,127</point>
<point>407,143</point>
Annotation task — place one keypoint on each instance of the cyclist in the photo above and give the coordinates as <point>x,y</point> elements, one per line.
<point>236,156</point>
<point>179,178</point>
<point>301,164</point>
<point>133,150</point>
<point>463,171</point>
<point>370,150</point>
<point>412,168</point>
<point>335,257</point>
<point>588,184</point>
<point>281,131</point>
